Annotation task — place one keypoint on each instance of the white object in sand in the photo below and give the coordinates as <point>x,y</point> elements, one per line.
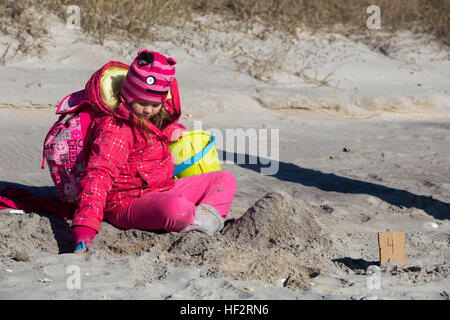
<point>16,211</point>
<point>431,225</point>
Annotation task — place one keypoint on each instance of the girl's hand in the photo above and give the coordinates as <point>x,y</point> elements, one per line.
<point>176,135</point>
<point>83,234</point>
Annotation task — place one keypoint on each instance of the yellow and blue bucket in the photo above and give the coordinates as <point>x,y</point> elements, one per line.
<point>195,153</point>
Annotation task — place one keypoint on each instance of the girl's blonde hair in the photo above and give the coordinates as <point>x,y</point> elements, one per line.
<point>160,120</point>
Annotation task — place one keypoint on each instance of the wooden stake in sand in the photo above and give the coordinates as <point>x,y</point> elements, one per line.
<point>392,246</point>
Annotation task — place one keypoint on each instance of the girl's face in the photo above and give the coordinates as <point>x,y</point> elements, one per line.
<point>145,108</point>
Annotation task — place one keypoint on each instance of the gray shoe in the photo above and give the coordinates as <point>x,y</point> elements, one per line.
<point>207,220</point>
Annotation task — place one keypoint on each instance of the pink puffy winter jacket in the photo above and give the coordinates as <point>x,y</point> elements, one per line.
<point>123,162</point>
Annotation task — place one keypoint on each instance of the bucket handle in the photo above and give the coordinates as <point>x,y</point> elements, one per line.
<point>194,159</point>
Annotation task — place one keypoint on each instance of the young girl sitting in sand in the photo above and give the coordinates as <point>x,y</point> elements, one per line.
<point>128,178</point>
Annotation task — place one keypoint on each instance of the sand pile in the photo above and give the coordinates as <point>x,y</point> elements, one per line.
<point>276,241</point>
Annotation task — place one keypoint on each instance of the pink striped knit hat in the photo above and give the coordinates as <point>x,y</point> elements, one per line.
<point>148,78</point>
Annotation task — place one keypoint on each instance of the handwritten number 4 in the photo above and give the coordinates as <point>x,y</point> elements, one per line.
<point>391,244</point>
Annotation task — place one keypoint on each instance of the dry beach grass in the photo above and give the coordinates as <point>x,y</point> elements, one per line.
<point>104,19</point>
<point>134,17</point>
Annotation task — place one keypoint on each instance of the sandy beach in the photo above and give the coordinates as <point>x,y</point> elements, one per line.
<point>355,144</point>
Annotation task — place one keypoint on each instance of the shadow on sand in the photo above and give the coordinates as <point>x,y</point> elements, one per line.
<point>331,182</point>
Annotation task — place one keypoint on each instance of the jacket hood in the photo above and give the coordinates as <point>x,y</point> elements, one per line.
<point>103,92</point>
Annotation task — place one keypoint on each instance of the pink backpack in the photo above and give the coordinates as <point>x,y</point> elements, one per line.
<point>66,146</point>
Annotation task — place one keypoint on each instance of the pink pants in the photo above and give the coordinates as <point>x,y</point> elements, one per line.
<point>174,209</point>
